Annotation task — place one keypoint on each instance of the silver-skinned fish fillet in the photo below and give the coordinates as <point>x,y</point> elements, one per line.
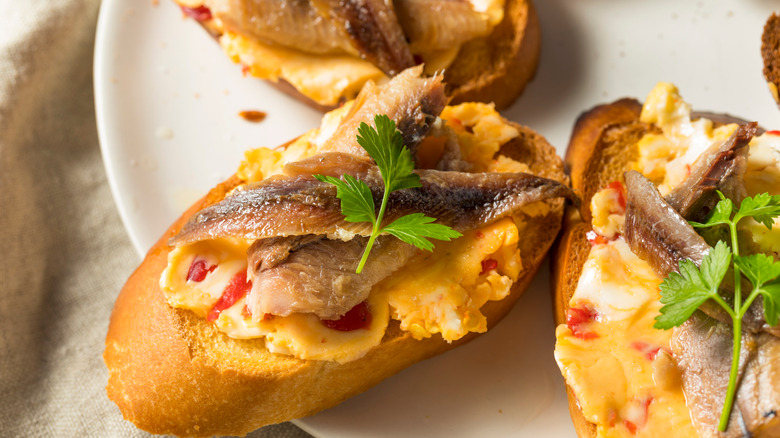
<point>319,277</point>
<point>412,102</point>
<point>365,28</point>
<point>298,205</point>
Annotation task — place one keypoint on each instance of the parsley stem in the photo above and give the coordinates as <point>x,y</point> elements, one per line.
<point>736,317</point>
<point>376,229</point>
<point>725,306</point>
<point>748,302</point>
<point>732,388</point>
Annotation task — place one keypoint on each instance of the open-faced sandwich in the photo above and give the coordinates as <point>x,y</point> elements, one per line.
<point>673,263</point>
<point>307,277</point>
<point>323,51</point>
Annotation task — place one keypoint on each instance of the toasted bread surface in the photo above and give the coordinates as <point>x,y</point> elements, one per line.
<point>497,68</point>
<point>171,372</point>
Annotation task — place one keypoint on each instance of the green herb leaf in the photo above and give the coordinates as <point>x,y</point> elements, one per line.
<point>385,145</point>
<point>771,294</point>
<point>414,228</point>
<point>762,207</point>
<point>682,293</point>
<point>758,268</point>
<point>721,214</point>
<point>357,203</point>
<point>761,270</point>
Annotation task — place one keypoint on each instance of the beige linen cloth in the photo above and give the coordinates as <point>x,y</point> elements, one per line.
<point>65,253</point>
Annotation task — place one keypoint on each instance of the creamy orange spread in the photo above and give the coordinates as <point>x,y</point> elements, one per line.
<point>618,366</point>
<point>438,293</point>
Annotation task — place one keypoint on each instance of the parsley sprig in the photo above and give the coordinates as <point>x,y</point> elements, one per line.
<point>385,145</point>
<point>682,293</point>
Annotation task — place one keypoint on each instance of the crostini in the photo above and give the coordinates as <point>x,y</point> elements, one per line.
<point>645,173</point>
<point>248,310</point>
<point>322,52</point>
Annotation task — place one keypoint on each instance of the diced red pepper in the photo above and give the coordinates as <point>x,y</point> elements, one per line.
<point>199,269</point>
<point>479,235</point>
<point>618,186</point>
<point>244,70</point>
<point>649,351</point>
<point>611,417</point>
<point>236,289</point>
<point>641,422</point>
<point>199,13</point>
<point>488,265</point>
<point>595,238</point>
<point>358,317</point>
<point>579,319</point>
<point>773,132</point>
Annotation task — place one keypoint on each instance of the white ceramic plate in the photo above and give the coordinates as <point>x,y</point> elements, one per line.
<point>167,105</point>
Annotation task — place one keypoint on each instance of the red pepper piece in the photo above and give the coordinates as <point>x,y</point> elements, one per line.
<point>199,269</point>
<point>235,290</point>
<point>773,132</point>
<point>596,239</point>
<point>358,317</point>
<point>649,351</point>
<point>200,13</point>
<point>488,265</point>
<point>578,319</point>
<point>618,186</point>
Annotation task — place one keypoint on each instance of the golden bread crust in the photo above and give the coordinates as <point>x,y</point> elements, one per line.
<point>498,67</point>
<point>171,372</point>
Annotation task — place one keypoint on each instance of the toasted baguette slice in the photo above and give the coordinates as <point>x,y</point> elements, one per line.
<point>170,372</point>
<point>602,147</point>
<point>494,68</point>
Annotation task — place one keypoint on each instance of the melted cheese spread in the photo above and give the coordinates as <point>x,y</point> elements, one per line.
<point>439,292</point>
<point>618,366</point>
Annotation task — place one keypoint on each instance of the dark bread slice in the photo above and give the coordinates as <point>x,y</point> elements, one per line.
<point>770,52</point>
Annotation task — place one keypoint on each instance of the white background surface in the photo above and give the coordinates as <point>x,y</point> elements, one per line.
<point>167,106</point>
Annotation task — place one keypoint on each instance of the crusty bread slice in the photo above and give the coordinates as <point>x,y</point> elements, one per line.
<point>170,372</point>
<point>770,52</point>
<point>494,68</point>
<point>602,146</point>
